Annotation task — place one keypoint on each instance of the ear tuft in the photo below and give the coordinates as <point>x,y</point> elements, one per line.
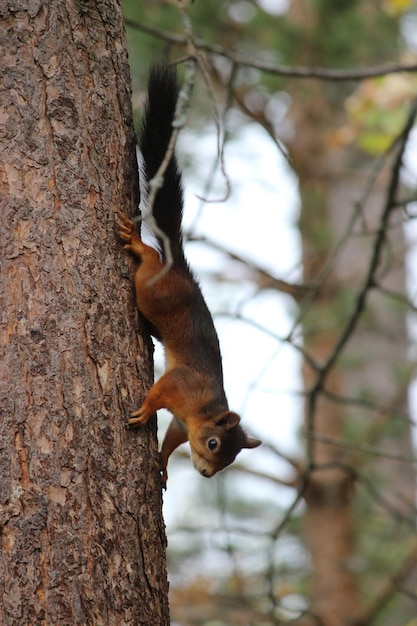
<point>251,442</point>
<point>228,420</point>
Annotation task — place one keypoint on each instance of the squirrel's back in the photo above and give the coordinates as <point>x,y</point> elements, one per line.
<point>156,131</point>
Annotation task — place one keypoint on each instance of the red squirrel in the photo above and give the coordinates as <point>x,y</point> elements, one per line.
<point>192,386</point>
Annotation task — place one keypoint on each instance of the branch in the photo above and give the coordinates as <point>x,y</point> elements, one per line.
<point>242,469</point>
<point>361,447</point>
<point>378,496</point>
<point>271,568</point>
<point>399,297</point>
<point>236,467</point>
<point>385,410</point>
<point>297,291</point>
<point>367,615</point>
<point>319,73</point>
<point>380,238</point>
<point>307,358</point>
<point>370,281</point>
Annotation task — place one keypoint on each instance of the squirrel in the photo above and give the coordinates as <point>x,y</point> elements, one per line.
<point>192,386</point>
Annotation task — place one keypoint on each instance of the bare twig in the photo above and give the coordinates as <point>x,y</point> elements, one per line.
<point>362,447</point>
<point>297,291</point>
<point>319,73</point>
<point>367,615</point>
<point>370,278</point>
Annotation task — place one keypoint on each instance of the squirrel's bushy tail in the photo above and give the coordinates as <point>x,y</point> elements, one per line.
<point>155,135</point>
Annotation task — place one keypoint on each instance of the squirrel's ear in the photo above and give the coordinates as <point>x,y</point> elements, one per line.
<point>228,420</point>
<point>251,442</point>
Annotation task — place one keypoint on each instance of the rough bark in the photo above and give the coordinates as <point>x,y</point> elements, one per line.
<point>82,535</point>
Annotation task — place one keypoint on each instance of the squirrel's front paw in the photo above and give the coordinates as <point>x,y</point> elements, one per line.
<point>126,227</point>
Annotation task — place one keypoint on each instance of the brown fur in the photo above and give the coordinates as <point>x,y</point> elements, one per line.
<point>171,300</point>
<point>192,386</point>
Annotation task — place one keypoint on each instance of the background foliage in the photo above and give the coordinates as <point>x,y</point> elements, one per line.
<point>322,532</point>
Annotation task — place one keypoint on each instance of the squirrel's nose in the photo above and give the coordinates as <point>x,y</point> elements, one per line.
<point>205,473</point>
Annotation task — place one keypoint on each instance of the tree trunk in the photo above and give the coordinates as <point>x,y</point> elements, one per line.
<point>331,183</point>
<point>329,519</point>
<point>366,369</point>
<point>80,499</point>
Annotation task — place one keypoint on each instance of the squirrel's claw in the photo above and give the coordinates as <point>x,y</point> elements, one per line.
<point>126,227</point>
<point>164,478</point>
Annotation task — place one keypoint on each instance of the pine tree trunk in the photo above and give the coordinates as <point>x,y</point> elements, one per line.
<point>80,499</point>
<point>329,519</point>
<point>331,183</point>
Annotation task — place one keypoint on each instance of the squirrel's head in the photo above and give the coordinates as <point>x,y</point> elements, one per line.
<point>216,445</point>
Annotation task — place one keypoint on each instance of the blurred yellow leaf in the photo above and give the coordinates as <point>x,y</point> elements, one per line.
<point>376,112</point>
<point>396,7</point>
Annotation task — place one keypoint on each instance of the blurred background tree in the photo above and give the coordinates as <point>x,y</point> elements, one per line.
<point>325,535</point>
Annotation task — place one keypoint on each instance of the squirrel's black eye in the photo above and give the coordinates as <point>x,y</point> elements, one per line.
<point>212,444</point>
